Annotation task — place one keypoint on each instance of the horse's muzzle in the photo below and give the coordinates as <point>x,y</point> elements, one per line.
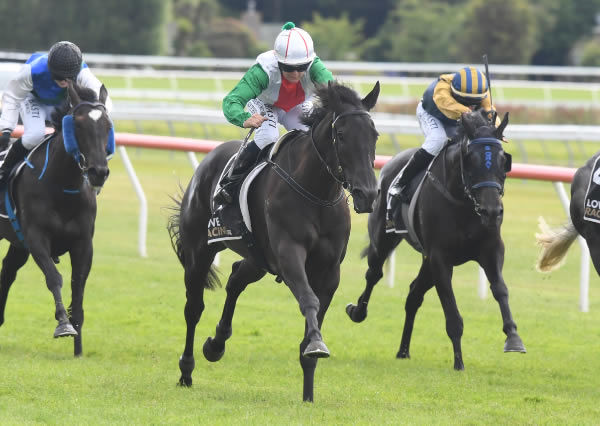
<point>97,176</point>
<point>363,200</point>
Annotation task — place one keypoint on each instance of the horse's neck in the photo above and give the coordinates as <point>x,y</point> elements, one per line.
<point>306,163</point>
<point>57,166</point>
<point>447,169</point>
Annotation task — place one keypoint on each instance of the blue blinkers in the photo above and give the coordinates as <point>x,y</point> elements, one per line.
<point>70,141</point>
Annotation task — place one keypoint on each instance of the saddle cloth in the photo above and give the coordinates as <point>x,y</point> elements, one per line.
<point>232,221</point>
<point>591,211</point>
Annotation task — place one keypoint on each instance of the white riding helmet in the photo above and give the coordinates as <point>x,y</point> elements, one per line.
<point>293,46</point>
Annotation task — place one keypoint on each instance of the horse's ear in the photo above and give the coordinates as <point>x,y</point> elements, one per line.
<point>370,100</point>
<point>500,129</point>
<point>75,100</point>
<point>103,94</point>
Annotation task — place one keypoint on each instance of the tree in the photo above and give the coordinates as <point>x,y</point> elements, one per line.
<point>574,19</point>
<point>415,31</point>
<point>506,30</point>
<point>336,38</point>
<point>110,26</point>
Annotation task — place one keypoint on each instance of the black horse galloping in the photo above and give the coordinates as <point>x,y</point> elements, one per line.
<point>556,242</point>
<point>55,204</point>
<point>457,218</point>
<point>299,219</point>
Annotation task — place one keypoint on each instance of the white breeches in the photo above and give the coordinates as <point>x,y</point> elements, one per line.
<point>268,132</point>
<point>34,115</point>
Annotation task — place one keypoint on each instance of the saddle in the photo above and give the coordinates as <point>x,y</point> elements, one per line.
<point>232,221</point>
<point>400,215</point>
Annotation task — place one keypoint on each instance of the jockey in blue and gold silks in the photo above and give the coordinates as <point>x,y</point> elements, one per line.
<point>443,102</point>
<point>35,92</point>
<point>277,89</point>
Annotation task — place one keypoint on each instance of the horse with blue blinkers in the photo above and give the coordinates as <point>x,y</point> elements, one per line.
<point>457,218</point>
<point>54,205</point>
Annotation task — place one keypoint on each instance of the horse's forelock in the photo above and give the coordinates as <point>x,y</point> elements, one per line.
<point>85,94</point>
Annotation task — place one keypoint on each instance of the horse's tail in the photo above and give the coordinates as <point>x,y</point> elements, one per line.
<point>212,279</point>
<point>173,228</point>
<point>554,243</point>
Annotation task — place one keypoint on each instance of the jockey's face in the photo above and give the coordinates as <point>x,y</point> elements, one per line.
<point>293,76</point>
<point>62,83</point>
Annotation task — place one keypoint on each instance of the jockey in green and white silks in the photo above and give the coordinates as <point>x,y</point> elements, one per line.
<point>278,89</point>
<point>35,92</point>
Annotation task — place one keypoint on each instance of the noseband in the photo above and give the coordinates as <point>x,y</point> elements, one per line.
<point>340,177</point>
<point>488,157</point>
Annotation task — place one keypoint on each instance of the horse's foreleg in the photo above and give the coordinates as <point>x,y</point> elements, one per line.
<point>81,263</point>
<point>325,287</point>
<point>242,274</point>
<point>442,277</point>
<point>493,271</point>
<point>40,251</point>
<point>420,285</point>
<point>15,258</point>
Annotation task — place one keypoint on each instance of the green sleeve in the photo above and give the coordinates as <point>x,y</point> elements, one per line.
<point>318,72</point>
<point>252,84</point>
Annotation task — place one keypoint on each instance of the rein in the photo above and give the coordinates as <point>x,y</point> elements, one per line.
<point>342,180</point>
<point>467,189</point>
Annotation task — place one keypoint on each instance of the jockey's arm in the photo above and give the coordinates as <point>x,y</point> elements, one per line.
<point>318,73</point>
<point>85,78</point>
<point>252,84</point>
<point>16,90</point>
<point>442,96</point>
<point>487,106</point>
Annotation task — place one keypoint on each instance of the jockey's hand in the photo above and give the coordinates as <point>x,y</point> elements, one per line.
<point>255,121</point>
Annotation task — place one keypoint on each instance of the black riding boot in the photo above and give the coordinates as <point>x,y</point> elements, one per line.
<point>16,153</point>
<point>417,162</point>
<point>246,157</point>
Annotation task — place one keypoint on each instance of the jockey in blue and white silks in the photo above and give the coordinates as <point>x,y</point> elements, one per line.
<point>35,92</point>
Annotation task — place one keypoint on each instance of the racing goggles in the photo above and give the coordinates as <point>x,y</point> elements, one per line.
<point>291,68</point>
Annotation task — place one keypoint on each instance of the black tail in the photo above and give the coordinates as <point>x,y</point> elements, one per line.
<point>212,280</point>
<point>173,227</point>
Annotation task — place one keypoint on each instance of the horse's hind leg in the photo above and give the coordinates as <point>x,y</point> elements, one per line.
<point>420,285</point>
<point>15,258</point>
<point>379,249</point>
<point>198,276</point>
<point>242,274</point>
<point>492,265</point>
<point>81,263</point>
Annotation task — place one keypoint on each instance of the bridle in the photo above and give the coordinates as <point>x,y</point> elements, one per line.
<point>78,155</point>
<point>339,176</point>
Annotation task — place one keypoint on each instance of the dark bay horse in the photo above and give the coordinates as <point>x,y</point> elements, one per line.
<point>457,218</point>
<point>301,225</point>
<point>55,204</point>
<point>556,242</point>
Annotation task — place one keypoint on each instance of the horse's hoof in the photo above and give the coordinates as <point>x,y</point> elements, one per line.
<point>514,344</point>
<point>210,353</point>
<point>403,355</point>
<point>355,313</point>
<point>316,349</point>
<point>64,330</point>
<point>458,365</point>
<point>185,382</point>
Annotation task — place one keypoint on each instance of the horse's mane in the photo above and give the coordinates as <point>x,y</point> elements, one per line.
<point>324,104</point>
<point>477,117</point>
<point>85,94</point>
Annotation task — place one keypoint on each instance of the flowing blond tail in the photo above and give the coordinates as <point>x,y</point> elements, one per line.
<point>554,243</point>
